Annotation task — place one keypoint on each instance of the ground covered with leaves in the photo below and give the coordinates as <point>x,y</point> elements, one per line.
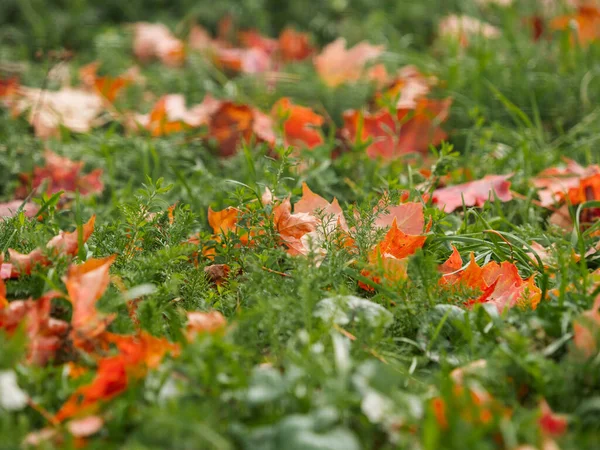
<point>334,225</point>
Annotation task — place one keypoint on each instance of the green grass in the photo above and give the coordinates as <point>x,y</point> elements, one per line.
<point>281,377</point>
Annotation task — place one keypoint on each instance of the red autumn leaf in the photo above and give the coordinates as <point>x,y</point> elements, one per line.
<point>555,182</point>
<point>85,284</point>
<point>336,64</point>
<point>61,174</point>
<point>233,124</point>
<point>62,244</point>
<point>550,423</point>
<point>201,323</point>
<point>223,221</point>
<point>292,227</point>
<point>587,24</point>
<point>170,115</point>
<point>44,333</point>
<point>137,354</point>
<point>253,39</point>
<point>155,41</point>
<point>474,193</point>
<point>9,88</point>
<point>499,284</point>
<point>294,46</point>
<point>9,209</point>
<point>301,124</point>
<point>76,109</point>
<point>245,60</point>
<point>410,130</point>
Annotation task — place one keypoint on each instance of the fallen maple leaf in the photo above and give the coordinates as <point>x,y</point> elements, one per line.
<point>202,322</point>
<point>292,227</point>
<point>233,124</point>
<point>408,216</point>
<point>585,22</point>
<point>170,115</point>
<point>62,244</point>
<point>336,65</point>
<point>473,193</point>
<point>152,41</point>
<point>300,124</point>
<point>408,86</point>
<point>137,354</point>
<point>554,183</point>
<point>551,424</point>
<point>61,174</point>
<point>75,109</point>
<point>464,28</point>
<point>85,284</point>
<point>217,273</point>
<point>108,87</point>
<point>245,60</point>
<point>294,46</point>
<point>9,209</point>
<point>389,257</point>
<point>499,284</point>
<point>409,130</point>
<point>586,331</point>
<point>44,333</point>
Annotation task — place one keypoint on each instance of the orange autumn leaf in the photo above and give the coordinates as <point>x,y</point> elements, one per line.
<point>224,221</point>
<point>329,219</point>
<point>554,183</point>
<point>294,46</point>
<point>292,227</point>
<point>588,190</point>
<point>137,354</point>
<point>65,243</point>
<point>408,86</point>
<point>409,130</point>
<point>108,87</point>
<point>170,115</point>
<point>44,333</point>
<point>86,284</point>
<point>233,124</point>
<point>398,244</point>
<point>585,22</point>
<point>244,60</point>
<point>473,193</point>
<point>61,174</point>
<point>389,257</point>
<point>155,41</point>
<point>586,331</point>
<point>202,322</point>
<point>498,284</point>
<point>300,126</point>
<point>336,64</point>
